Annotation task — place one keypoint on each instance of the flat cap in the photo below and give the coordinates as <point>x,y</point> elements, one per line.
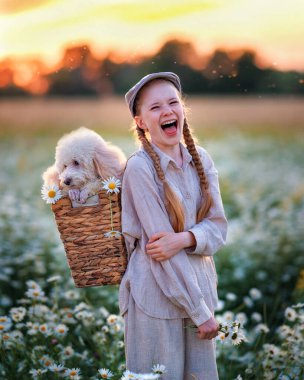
<point>132,93</point>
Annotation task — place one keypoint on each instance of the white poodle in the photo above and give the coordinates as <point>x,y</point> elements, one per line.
<point>82,160</point>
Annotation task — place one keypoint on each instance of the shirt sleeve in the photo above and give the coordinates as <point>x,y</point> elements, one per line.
<point>175,276</point>
<point>210,234</point>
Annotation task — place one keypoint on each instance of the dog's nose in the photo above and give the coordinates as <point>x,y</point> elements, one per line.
<point>67,181</point>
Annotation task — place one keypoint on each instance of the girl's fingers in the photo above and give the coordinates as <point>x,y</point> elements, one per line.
<point>153,251</point>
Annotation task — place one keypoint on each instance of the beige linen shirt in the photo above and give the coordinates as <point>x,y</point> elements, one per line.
<point>186,284</point>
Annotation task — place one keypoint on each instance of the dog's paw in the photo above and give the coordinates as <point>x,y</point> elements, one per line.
<point>84,194</point>
<point>74,194</point>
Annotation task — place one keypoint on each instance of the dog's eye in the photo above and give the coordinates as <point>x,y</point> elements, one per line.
<point>64,166</point>
<point>76,163</point>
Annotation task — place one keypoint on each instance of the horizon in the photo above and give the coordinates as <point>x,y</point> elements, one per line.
<point>127,30</point>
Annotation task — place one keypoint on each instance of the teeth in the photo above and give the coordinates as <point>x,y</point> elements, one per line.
<point>169,122</point>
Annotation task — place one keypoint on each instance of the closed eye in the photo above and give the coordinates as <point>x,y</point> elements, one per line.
<point>154,108</point>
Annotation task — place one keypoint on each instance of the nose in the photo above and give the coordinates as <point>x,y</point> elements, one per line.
<point>167,110</point>
<point>67,181</point>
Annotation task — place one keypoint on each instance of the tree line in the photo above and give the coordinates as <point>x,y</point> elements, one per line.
<point>80,73</point>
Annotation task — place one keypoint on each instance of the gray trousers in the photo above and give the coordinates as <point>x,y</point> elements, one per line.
<point>150,341</point>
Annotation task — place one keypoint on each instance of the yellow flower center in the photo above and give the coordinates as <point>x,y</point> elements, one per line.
<point>73,373</point>
<point>104,376</point>
<point>6,337</point>
<point>3,319</point>
<point>1,327</point>
<point>52,194</point>
<point>112,185</point>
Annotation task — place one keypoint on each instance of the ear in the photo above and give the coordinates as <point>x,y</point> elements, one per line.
<point>108,161</point>
<point>51,176</point>
<point>140,123</point>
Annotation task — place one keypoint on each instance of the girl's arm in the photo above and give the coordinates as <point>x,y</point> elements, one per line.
<point>210,234</point>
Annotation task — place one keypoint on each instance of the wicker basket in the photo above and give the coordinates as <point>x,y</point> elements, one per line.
<point>93,258</point>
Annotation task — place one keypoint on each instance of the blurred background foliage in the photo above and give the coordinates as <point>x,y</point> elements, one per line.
<point>79,72</point>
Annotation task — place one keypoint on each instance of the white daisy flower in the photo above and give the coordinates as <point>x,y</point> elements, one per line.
<point>105,328</point>
<point>111,185</point>
<point>72,373</point>
<point>61,330</point>
<point>221,337</point>
<point>242,318</point>
<point>228,316</point>
<point>17,313</point>
<point>129,375</point>
<point>54,278</point>
<point>237,338</point>
<point>159,369</point>
<point>56,368</point>
<point>261,328</point>
<point>256,317</point>
<point>220,305</point>
<point>5,323</point>
<point>32,284</point>
<point>290,314</point>
<point>112,233</point>
<point>81,306</point>
<point>51,194</point>
<point>112,319</point>
<point>104,312</point>
<point>36,294</point>
<point>37,372</point>
<point>71,295</point>
<point>255,294</point>
<point>105,373</point>
<point>248,301</point>
<point>46,361</point>
<point>67,352</point>
<point>231,296</point>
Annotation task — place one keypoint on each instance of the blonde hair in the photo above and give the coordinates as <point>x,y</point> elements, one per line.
<point>172,203</point>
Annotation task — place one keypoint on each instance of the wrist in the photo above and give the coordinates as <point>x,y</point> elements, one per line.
<point>187,239</point>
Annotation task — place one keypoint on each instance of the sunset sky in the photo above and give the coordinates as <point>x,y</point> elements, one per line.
<point>43,28</point>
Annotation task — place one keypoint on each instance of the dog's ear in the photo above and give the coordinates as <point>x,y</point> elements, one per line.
<point>51,176</point>
<point>108,161</point>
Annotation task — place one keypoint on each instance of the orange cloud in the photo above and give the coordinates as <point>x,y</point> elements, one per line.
<point>16,6</point>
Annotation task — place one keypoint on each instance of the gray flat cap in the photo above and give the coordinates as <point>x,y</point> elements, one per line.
<point>132,93</point>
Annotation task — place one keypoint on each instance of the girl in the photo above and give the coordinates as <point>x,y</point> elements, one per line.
<point>173,222</point>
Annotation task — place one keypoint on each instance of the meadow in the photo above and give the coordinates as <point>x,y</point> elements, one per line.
<point>49,329</point>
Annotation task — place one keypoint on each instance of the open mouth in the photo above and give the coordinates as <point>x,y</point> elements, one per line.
<point>169,127</point>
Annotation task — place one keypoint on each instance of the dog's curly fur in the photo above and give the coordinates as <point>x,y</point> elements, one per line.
<point>82,160</point>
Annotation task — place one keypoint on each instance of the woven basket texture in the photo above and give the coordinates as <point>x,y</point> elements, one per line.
<point>94,259</point>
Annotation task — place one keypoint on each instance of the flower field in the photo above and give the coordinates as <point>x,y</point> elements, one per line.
<point>49,329</point>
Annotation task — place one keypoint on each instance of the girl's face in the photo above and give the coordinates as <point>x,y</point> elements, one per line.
<point>161,113</point>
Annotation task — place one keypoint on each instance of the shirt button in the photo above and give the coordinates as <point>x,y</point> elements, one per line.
<point>187,195</point>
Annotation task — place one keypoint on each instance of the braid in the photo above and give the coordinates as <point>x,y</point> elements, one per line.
<point>173,204</point>
<point>207,203</point>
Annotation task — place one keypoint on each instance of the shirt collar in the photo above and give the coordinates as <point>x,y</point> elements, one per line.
<point>165,159</point>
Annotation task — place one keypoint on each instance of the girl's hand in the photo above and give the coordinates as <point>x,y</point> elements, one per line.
<point>163,245</point>
<point>209,329</point>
